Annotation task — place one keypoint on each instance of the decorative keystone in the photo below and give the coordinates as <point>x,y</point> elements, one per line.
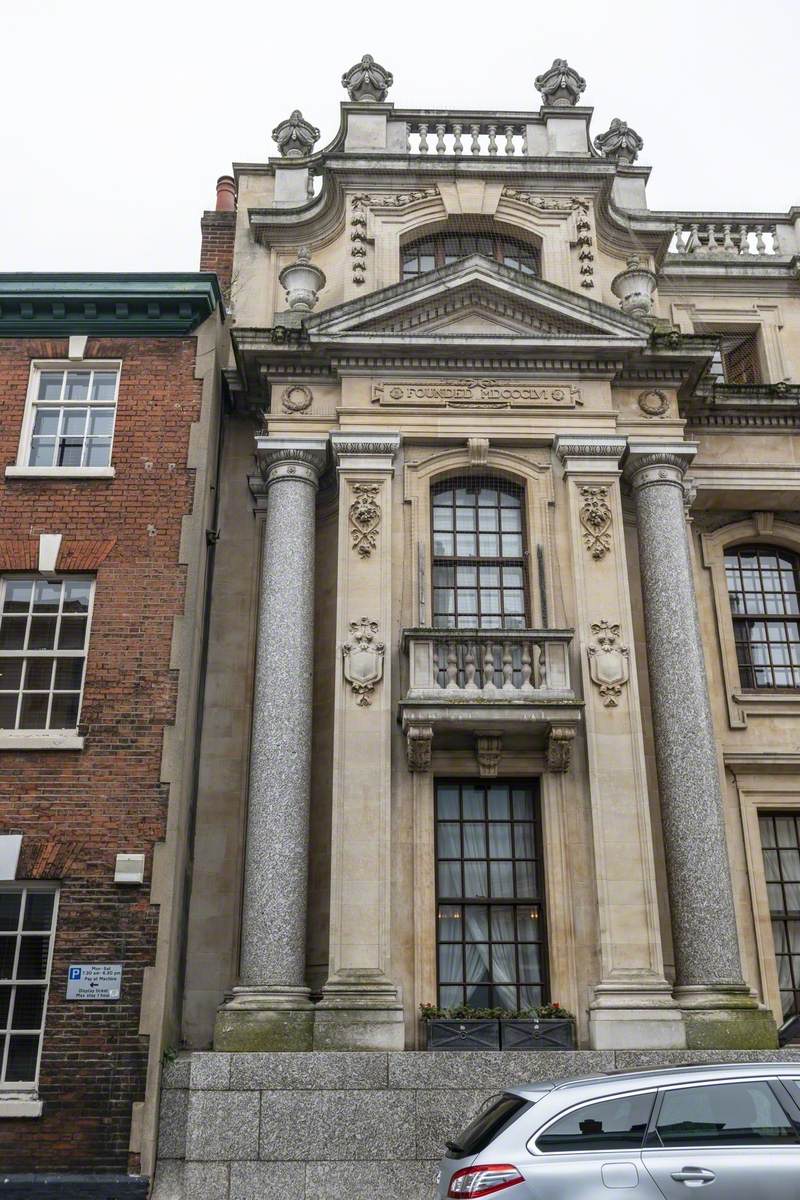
<point>302,281</point>
<point>367,80</point>
<point>561,85</point>
<point>295,137</point>
<point>619,142</point>
<point>634,288</point>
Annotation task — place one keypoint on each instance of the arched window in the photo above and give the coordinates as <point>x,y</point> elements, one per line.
<point>764,587</point>
<point>439,249</point>
<point>478,554</point>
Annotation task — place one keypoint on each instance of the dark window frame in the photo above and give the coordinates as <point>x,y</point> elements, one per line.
<point>514,901</point>
<point>782,919</point>
<point>498,247</point>
<point>745,623</point>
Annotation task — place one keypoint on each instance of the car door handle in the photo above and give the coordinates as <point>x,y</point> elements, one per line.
<point>694,1175</point>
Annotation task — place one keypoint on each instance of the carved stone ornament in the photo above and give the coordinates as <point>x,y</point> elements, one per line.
<point>561,85</point>
<point>419,746</point>
<point>653,402</point>
<point>367,80</point>
<point>295,138</point>
<point>559,747</point>
<point>358,221</point>
<point>488,748</point>
<point>296,398</point>
<point>363,659</point>
<point>302,281</point>
<point>608,662</point>
<point>365,518</point>
<point>619,142</point>
<point>595,518</point>
<point>634,289</point>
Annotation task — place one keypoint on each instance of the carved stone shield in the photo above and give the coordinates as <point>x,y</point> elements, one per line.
<point>363,659</point>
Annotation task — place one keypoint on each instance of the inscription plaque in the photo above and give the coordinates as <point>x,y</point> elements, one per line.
<point>475,393</point>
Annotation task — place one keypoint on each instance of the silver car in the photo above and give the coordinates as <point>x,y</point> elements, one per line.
<point>729,1132</point>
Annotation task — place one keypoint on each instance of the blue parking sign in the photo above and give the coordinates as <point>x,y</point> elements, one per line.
<point>74,972</point>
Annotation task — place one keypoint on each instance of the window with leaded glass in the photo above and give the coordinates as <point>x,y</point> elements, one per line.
<point>27,927</point>
<point>44,636</point>
<point>442,248</point>
<point>780,841</point>
<point>71,417</point>
<point>763,585</point>
<point>478,555</point>
<point>492,950</point>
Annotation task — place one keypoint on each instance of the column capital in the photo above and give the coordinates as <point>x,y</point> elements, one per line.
<point>365,449</point>
<point>302,459</point>
<point>584,454</point>
<point>658,461</point>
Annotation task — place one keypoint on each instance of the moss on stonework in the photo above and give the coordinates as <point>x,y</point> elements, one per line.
<point>259,1030</point>
<point>751,1029</point>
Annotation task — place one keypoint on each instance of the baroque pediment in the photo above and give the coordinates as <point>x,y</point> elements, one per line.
<point>475,299</point>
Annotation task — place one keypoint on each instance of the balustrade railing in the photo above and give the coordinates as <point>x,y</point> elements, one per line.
<point>731,238</point>
<point>471,134</point>
<point>488,663</point>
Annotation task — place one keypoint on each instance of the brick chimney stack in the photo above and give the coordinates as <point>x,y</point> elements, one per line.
<point>218,231</point>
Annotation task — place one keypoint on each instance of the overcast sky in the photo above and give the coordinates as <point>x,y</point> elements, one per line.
<point>118,117</point>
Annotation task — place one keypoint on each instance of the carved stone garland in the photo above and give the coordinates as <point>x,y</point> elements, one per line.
<point>595,518</point>
<point>565,205</point>
<point>608,662</point>
<point>296,398</point>
<point>358,221</point>
<point>363,659</point>
<point>365,518</point>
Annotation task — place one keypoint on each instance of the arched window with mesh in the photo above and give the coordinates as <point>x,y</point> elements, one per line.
<point>479,578</point>
<point>440,249</point>
<point>764,590</point>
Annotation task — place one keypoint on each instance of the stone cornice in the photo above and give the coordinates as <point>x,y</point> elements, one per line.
<point>366,444</point>
<point>104,305</point>
<point>589,447</point>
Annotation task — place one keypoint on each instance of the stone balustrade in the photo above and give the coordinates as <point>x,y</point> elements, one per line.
<point>504,134</point>
<point>732,238</point>
<point>488,664</point>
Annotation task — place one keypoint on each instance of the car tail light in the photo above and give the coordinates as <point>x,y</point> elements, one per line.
<point>484,1180</point>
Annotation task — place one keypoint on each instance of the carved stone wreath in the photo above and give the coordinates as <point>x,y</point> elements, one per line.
<point>653,403</point>
<point>608,662</point>
<point>363,659</point>
<point>297,398</point>
<point>595,518</point>
<point>365,518</point>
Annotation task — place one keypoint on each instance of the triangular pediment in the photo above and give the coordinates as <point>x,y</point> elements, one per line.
<point>476,299</point>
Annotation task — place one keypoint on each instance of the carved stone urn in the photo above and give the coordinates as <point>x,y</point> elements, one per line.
<point>619,142</point>
<point>367,80</point>
<point>295,136</point>
<point>634,288</point>
<point>561,85</point>
<point>302,281</point>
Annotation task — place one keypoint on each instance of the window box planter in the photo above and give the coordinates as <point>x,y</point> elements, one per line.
<point>544,1033</point>
<point>462,1035</point>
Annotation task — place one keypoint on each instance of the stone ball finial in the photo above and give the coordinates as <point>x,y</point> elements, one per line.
<point>294,136</point>
<point>367,80</point>
<point>561,85</point>
<point>302,282</point>
<point>619,142</point>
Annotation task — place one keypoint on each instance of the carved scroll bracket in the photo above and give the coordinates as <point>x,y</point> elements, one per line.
<point>488,748</point>
<point>559,747</point>
<point>608,662</point>
<point>419,747</point>
<point>595,518</point>
<point>363,659</point>
<point>365,518</point>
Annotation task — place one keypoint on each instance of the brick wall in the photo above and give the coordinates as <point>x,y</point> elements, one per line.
<point>218,231</point>
<point>78,809</point>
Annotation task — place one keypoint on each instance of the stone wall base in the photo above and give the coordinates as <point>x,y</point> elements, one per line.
<point>49,1186</point>
<point>348,1126</point>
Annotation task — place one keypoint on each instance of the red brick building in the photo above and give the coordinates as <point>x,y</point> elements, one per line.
<point>111,398</point>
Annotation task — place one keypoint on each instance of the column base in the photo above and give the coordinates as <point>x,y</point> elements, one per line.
<point>359,1016</point>
<point>623,1018</point>
<point>726,1018</point>
<point>265,1018</point>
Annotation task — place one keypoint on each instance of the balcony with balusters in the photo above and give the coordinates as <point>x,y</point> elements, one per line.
<point>512,684</point>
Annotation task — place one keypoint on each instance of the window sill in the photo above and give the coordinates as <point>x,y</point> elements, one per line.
<point>15,472</point>
<point>46,739</point>
<point>20,1106</point>
<point>767,696</point>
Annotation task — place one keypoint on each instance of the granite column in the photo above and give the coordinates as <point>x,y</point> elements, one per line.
<point>270,1009</point>
<point>719,1009</point>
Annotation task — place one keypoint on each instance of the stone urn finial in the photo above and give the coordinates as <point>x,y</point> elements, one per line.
<point>619,142</point>
<point>367,80</point>
<point>561,85</point>
<point>295,137</point>
<point>302,281</point>
<point>634,288</point>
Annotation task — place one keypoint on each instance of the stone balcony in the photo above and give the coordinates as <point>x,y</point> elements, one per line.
<point>489,686</point>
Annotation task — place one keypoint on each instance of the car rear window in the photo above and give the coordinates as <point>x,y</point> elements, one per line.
<point>499,1113</point>
<point>616,1124</point>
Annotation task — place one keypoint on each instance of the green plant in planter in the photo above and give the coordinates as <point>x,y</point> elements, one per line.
<point>465,1012</point>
